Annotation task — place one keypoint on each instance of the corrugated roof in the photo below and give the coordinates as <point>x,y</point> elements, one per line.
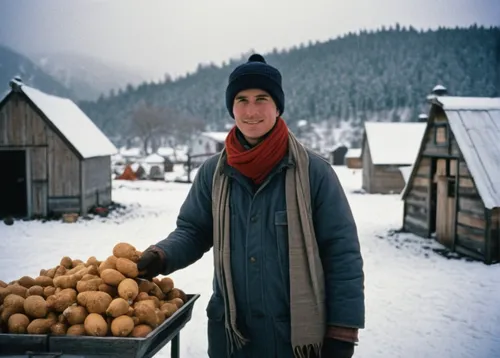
<point>478,135</point>
<point>73,123</point>
<point>468,103</point>
<point>394,143</point>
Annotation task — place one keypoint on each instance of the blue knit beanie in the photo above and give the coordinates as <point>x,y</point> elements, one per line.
<point>255,73</point>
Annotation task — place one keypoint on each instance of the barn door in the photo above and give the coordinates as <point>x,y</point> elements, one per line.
<point>445,213</point>
<point>13,191</point>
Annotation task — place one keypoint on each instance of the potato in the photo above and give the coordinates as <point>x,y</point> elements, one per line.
<point>88,276</point>
<point>142,296</point>
<point>97,302</point>
<point>112,277</point>
<point>168,309</point>
<point>40,326</point>
<point>160,316</point>
<point>4,292</point>
<point>66,262</point>
<point>146,313</point>
<point>75,269</point>
<point>145,286</point>
<point>117,307</point>
<point>141,331</point>
<point>156,291</point>
<point>18,323</point>
<point>166,284</point>
<point>3,284</point>
<point>60,271</point>
<point>75,315</point>
<point>95,325</point>
<point>67,281</point>
<point>93,261</point>
<point>35,291</point>
<point>35,307</point>
<point>150,303</point>
<point>62,300</point>
<point>128,289</point>
<point>49,291</point>
<point>17,289</point>
<point>122,326</point>
<point>12,304</point>
<point>76,330</point>
<point>49,273</point>
<point>177,301</point>
<point>58,329</point>
<point>77,262</point>
<point>176,293</point>
<point>110,290</point>
<point>127,251</point>
<point>44,281</point>
<point>109,263</point>
<point>127,267</point>
<point>26,281</point>
<point>89,285</point>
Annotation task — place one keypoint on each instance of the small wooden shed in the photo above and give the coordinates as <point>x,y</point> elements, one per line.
<point>453,192</point>
<point>388,146</point>
<point>60,160</point>
<point>337,155</point>
<point>353,158</point>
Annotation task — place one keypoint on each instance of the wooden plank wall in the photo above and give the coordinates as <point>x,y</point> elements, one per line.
<point>386,179</point>
<point>21,127</point>
<point>471,219</point>
<point>367,167</point>
<point>416,203</point>
<point>96,182</point>
<point>437,149</point>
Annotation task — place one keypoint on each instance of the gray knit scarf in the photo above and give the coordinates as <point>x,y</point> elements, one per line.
<point>307,288</point>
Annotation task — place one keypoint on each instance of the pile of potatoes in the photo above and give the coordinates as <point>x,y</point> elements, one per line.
<point>92,298</point>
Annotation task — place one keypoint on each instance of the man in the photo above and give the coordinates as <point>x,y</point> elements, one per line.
<point>288,272</point>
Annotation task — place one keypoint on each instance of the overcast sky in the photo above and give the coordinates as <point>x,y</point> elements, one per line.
<point>166,36</point>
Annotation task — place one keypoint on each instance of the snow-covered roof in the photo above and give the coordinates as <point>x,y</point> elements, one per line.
<point>217,136</point>
<point>353,153</point>
<point>467,103</point>
<point>439,88</point>
<point>394,143</point>
<point>154,159</point>
<point>72,122</point>
<point>478,136</point>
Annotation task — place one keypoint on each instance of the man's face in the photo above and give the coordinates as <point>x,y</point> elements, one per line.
<point>254,113</point>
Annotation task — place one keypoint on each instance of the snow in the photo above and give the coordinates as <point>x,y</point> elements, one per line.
<point>394,143</point>
<point>406,172</point>
<point>418,303</point>
<point>353,153</point>
<point>73,124</point>
<point>478,136</point>
<point>439,88</point>
<point>154,159</point>
<point>468,103</point>
<point>217,136</point>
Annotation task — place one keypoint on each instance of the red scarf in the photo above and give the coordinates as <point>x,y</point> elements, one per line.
<point>257,163</point>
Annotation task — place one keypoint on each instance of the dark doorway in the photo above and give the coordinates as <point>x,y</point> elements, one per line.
<point>13,198</point>
<point>433,201</point>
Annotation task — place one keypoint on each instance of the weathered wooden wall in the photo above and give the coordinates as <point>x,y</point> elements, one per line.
<point>96,182</point>
<point>386,179</point>
<point>367,167</point>
<point>417,200</point>
<point>495,235</point>
<point>354,163</point>
<point>471,214</point>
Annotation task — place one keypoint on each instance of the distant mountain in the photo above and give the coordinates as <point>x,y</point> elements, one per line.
<point>87,76</point>
<point>372,75</point>
<point>14,64</point>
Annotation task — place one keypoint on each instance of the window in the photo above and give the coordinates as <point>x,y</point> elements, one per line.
<point>441,134</point>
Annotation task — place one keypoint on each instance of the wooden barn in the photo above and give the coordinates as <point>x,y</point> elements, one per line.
<point>453,193</point>
<point>58,160</point>
<point>388,146</point>
<point>353,158</point>
<point>337,155</point>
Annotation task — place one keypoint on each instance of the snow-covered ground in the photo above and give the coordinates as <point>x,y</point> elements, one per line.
<point>418,303</point>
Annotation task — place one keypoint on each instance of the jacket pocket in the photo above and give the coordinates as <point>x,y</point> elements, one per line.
<point>281,227</point>
<point>217,344</point>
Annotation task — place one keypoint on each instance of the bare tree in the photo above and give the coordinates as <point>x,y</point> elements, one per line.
<point>149,123</point>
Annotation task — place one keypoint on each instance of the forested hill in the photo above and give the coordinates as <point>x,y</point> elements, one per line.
<point>351,78</point>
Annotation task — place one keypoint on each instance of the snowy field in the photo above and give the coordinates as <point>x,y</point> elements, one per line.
<point>418,303</point>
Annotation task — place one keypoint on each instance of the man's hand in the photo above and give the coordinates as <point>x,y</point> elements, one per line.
<point>334,348</point>
<point>151,263</point>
